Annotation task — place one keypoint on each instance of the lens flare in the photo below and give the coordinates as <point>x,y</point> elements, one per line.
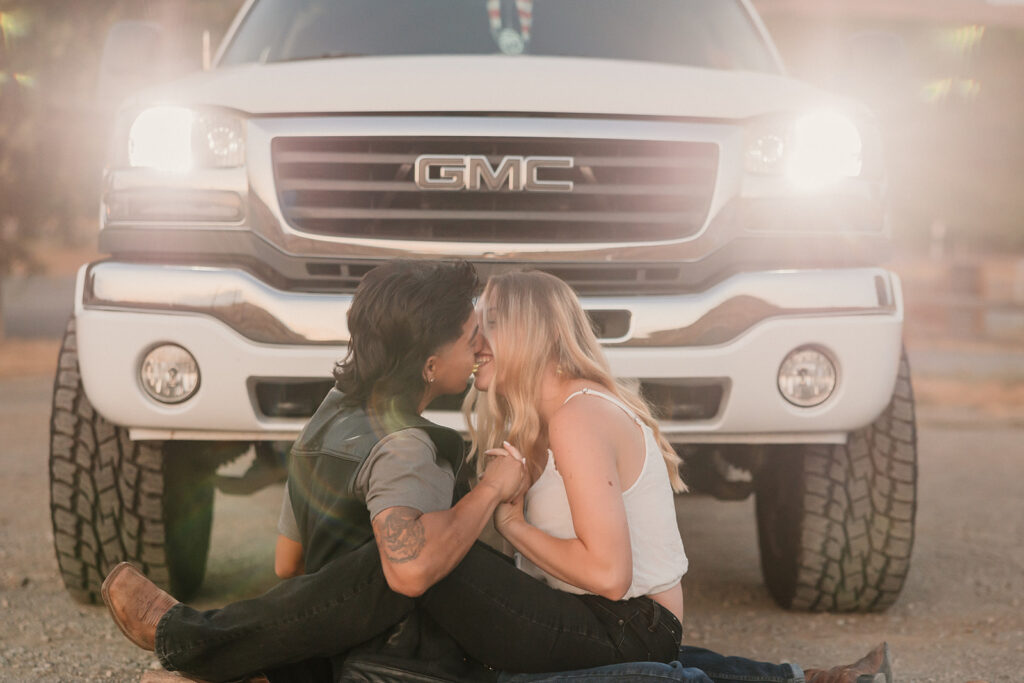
<point>13,24</point>
<point>25,80</point>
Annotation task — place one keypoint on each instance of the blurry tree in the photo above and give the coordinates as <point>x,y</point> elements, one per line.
<point>53,132</point>
<point>12,113</point>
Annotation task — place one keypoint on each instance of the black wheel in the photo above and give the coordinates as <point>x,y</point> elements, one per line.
<point>836,522</point>
<point>114,499</point>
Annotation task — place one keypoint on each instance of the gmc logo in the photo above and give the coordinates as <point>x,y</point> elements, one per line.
<point>474,172</point>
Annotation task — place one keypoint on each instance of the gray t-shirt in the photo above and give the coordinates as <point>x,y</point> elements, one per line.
<point>401,470</point>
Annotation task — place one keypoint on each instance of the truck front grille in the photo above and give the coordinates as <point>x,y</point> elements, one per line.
<point>624,190</point>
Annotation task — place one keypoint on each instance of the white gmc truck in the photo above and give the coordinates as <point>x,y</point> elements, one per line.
<point>722,223</point>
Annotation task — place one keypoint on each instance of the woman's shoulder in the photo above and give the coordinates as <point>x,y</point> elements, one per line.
<point>587,417</point>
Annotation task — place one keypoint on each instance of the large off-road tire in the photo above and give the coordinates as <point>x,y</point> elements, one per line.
<point>113,499</point>
<point>836,522</point>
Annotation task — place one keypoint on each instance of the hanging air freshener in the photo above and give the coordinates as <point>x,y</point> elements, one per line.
<point>509,40</point>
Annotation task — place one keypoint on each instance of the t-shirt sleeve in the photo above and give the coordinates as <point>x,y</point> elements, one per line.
<point>403,470</point>
<point>286,524</point>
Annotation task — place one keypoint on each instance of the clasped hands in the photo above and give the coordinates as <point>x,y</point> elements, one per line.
<point>506,472</point>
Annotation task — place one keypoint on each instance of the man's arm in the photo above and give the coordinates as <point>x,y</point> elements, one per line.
<point>417,550</point>
<point>288,558</point>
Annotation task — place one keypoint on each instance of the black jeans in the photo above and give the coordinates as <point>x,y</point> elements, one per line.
<point>499,615</point>
<point>508,620</point>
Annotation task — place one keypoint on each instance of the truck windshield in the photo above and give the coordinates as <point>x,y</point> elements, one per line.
<point>715,34</point>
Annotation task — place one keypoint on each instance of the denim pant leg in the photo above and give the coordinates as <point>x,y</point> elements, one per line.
<point>508,620</point>
<point>616,673</point>
<point>723,669</point>
<point>695,665</point>
<point>345,603</point>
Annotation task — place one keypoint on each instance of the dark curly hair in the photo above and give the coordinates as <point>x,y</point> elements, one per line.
<point>401,314</point>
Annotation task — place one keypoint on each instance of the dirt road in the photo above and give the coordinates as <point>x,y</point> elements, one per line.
<point>960,617</point>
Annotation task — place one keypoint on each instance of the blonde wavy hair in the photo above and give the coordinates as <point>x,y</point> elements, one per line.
<point>541,320</point>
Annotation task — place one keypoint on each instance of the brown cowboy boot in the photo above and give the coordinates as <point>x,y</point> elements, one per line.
<point>135,603</point>
<point>874,667</point>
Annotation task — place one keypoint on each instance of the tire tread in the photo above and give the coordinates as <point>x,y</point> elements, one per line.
<point>100,516</point>
<point>857,506</point>
<point>855,561</point>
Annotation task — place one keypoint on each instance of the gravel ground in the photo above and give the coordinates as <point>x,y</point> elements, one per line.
<point>959,618</point>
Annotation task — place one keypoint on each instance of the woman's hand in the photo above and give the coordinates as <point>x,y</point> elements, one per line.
<point>510,511</point>
<point>505,472</point>
<point>510,451</point>
<point>508,515</point>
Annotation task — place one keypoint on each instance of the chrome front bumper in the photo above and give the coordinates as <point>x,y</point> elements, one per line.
<point>239,327</point>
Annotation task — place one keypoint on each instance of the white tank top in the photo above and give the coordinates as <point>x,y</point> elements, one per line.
<point>659,560</point>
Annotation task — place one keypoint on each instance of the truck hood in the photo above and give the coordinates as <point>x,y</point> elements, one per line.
<point>466,84</point>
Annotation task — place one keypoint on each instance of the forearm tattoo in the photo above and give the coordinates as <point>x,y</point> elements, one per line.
<point>401,535</point>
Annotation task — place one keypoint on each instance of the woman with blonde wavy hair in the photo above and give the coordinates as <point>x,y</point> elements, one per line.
<point>599,516</point>
<point>598,519</point>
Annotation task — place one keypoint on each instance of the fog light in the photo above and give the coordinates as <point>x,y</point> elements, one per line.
<point>169,374</point>
<point>807,377</point>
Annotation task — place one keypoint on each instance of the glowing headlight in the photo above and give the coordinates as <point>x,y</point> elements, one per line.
<point>169,374</point>
<point>178,139</point>
<point>826,147</point>
<point>807,377</point>
<point>813,151</point>
<point>161,137</point>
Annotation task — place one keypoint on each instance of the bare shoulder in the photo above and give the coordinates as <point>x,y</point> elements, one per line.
<point>590,413</point>
<point>586,423</point>
<point>579,413</point>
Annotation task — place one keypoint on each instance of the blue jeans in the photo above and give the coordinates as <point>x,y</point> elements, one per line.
<point>616,673</point>
<point>694,665</point>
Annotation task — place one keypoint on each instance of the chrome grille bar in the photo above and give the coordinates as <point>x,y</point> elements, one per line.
<point>319,157</point>
<point>324,184</point>
<point>589,216</point>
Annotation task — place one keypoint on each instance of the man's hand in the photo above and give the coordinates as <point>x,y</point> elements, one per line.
<point>505,472</point>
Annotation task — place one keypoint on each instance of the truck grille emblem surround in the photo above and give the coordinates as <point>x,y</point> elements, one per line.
<point>474,172</point>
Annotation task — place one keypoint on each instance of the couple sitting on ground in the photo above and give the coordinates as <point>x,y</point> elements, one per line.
<point>389,580</point>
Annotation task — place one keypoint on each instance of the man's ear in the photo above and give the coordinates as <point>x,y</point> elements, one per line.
<point>429,368</point>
